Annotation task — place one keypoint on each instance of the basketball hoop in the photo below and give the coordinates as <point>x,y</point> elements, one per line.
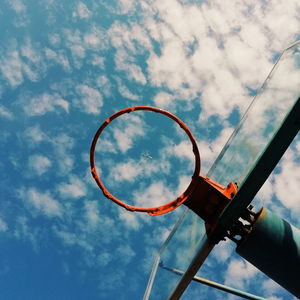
<point>158,210</point>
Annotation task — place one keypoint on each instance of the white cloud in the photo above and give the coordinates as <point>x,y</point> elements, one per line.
<point>125,139</point>
<point>92,213</point>
<point>18,6</point>
<point>54,39</point>
<point>24,231</point>
<point>154,195</point>
<point>20,62</point>
<point>11,68</point>
<point>29,52</point>
<point>133,71</point>
<point>91,40</point>
<point>239,273</point>
<point>45,103</point>
<point>58,57</point>
<point>184,182</point>
<point>266,192</point>
<point>209,151</point>
<point>298,146</point>
<point>114,282</point>
<point>282,31</point>
<point>90,100</point>
<point>63,144</point>
<point>82,44</point>
<point>163,100</point>
<point>130,220</point>
<point>163,69</point>
<point>99,61</point>
<point>127,171</point>
<point>126,6</point>
<point>104,84</point>
<point>183,150</point>
<point>125,253</point>
<point>62,103</point>
<point>212,48</point>
<point>40,164</point>
<point>35,135</point>
<point>241,56</point>
<point>121,7</point>
<point>129,40</point>
<point>107,146</point>
<point>172,67</point>
<point>138,172</point>
<point>51,54</point>
<point>82,11</point>
<point>5,113</point>
<point>131,128</point>
<point>104,258</point>
<point>223,251</point>
<point>74,189</point>
<point>74,41</point>
<point>42,202</point>
<point>78,51</point>
<point>124,90</point>
<point>126,93</point>
<point>286,183</point>
<point>71,239</point>
<point>270,288</point>
<point>3,225</point>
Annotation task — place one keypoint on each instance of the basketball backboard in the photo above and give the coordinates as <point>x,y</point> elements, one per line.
<point>251,153</point>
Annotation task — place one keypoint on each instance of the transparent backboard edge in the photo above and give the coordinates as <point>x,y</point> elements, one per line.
<point>158,256</point>
<point>253,182</point>
<point>196,263</point>
<point>292,45</point>
<point>263,168</point>
<point>152,276</point>
<point>178,223</point>
<point>193,268</point>
<point>256,98</point>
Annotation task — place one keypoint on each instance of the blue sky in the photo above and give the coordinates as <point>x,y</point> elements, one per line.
<point>65,66</point>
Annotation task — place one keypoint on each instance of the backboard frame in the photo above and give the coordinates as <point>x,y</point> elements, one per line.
<point>286,129</point>
<point>254,181</point>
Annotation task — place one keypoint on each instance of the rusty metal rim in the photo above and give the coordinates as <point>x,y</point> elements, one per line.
<point>150,210</point>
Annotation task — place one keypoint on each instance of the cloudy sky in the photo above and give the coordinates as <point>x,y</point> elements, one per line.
<point>66,66</point>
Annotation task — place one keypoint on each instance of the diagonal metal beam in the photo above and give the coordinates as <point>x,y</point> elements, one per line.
<point>216,285</point>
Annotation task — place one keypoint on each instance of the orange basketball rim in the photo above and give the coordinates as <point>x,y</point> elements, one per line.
<point>158,210</point>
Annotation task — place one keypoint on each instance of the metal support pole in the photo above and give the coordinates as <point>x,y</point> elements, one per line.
<point>216,285</point>
<point>273,246</point>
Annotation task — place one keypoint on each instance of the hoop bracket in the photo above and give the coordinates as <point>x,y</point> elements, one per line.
<point>210,198</point>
